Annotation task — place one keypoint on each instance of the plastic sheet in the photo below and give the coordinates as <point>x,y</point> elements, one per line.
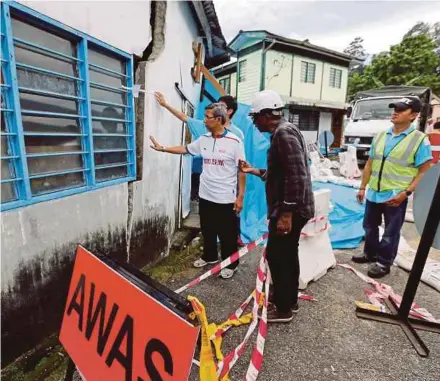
<point>346,217</point>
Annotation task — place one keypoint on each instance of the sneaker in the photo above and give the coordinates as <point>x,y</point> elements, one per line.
<point>227,273</point>
<point>378,270</point>
<point>295,308</point>
<point>202,263</point>
<point>273,316</point>
<point>362,258</point>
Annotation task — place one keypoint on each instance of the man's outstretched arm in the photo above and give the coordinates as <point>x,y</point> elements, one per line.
<point>163,102</point>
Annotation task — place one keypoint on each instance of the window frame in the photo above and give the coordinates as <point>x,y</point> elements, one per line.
<point>306,79</point>
<point>226,81</point>
<point>334,83</point>
<point>240,75</point>
<point>14,135</point>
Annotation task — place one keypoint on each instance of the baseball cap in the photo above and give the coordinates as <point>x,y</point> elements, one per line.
<point>403,104</point>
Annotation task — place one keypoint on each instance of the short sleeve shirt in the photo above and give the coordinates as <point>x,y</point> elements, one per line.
<point>221,156</point>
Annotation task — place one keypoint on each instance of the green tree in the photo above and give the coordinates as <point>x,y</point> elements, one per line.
<point>413,61</point>
<point>356,49</point>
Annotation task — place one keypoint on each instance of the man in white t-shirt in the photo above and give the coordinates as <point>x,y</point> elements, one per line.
<point>219,204</point>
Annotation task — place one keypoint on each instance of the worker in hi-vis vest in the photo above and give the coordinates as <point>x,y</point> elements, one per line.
<point>398,159</point>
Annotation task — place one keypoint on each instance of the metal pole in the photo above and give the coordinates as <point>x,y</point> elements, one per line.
<point>428,235</point>
<point>325,140</point>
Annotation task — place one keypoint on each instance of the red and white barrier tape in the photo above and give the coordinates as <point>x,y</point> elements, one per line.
<point>226,365</point>
<point>243,251</point>
<point>258,352</point>
<point>236,315</point>
<point>383,291</point>
<point>217,268</point>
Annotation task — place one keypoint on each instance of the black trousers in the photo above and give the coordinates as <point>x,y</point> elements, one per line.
<point>195,185</point>
<point>282,256</point>
<point>218,220</point>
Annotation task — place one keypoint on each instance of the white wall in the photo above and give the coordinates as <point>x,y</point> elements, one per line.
<point>234,84</point>
<point>334,94</point>
<point>39,240</point>
<point>278,72</point>
<point>161,171</point>
<point>123,24</point>
<point>251,85</point>
<point>325,121</point>
<point>306,90</point>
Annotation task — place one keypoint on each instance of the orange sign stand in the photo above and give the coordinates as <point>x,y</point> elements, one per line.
<point>115,331</point>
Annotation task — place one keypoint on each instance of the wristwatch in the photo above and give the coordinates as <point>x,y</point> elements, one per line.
<point>164,149</point>
<point>408,193</point>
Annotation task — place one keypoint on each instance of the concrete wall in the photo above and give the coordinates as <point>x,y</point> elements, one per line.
<point>132,222</point>
<point>278,73</point>
<point>251,85</point>
<point>130,21</point>
<point>331,93</point>
<point>306,90</point>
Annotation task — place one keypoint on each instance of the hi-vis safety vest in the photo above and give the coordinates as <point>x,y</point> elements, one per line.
<point>397,170</point>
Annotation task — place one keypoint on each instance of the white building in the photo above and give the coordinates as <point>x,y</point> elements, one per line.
<point>311,79</point>
<point>77,167</point>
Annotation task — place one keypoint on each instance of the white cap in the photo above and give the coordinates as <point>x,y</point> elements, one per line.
<point>267,99</point>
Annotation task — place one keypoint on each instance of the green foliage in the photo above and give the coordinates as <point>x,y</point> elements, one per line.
<point>412,62</point>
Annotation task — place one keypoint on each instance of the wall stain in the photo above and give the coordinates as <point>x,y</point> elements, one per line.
<point>32,307</point>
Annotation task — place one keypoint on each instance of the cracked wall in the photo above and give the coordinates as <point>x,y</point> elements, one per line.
<point>131,222</point>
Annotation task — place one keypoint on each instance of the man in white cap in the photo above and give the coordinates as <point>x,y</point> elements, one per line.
<point>289,199</point>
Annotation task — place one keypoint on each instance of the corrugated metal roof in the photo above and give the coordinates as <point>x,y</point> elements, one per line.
<point>243,36</point>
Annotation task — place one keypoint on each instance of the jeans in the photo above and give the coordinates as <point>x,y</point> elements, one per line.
<point>385,250</point>
<point>218,220</point>
<point>282,256</point>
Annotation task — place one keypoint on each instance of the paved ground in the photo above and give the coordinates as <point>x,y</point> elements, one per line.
<point>326,341</point>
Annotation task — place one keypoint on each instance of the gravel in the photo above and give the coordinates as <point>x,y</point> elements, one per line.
<point>325,341</point>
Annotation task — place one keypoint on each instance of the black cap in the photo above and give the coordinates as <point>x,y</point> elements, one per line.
<point>403,104</point>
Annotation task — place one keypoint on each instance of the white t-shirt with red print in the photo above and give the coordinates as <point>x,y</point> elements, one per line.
<point>221,156</point>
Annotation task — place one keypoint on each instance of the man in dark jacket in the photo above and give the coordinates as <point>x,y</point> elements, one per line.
<point>289,199</point>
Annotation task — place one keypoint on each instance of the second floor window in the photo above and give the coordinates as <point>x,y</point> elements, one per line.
<point>335,78</point>
<point>308,71</point>
<point>242,71</point>
<point>226,84</point>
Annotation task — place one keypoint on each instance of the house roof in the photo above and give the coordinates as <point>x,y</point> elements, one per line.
<point>209,26</point>
<point>243,39</point>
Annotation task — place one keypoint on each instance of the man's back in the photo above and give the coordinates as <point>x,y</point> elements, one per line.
<point>288,175</point>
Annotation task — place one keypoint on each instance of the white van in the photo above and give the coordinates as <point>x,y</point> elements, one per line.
<point>370,114</point>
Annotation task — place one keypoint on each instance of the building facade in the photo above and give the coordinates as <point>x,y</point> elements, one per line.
<point>77,168</point>
<point>311,79</point>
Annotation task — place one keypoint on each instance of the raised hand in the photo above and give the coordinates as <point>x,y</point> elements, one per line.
<point>155,145</point>
<point>160,99</point>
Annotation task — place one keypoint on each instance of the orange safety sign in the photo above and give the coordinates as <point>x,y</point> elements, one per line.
<point>115,331</point>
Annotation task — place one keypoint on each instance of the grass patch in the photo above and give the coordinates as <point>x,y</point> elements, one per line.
<point>48,361</point>
<point>176,263</point>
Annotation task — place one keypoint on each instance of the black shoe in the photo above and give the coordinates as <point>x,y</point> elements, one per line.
<point>273,316</point>
<point>295,308</point>
<point>362,258</point>
<point>378,270</point>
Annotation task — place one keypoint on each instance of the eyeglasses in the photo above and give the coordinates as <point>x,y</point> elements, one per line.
<point>209,117</point>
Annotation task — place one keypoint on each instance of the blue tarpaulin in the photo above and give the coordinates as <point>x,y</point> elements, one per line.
<point>346,217</point>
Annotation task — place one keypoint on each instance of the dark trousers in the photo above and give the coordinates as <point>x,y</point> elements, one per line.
<point>384,250</point>
<point>195,185</point>
<point>218,220</point>
<point>282,256</point>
